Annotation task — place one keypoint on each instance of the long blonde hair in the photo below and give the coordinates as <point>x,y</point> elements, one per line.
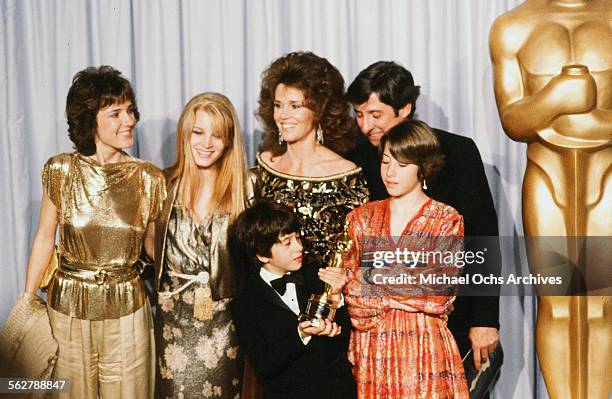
<point>229,193</point>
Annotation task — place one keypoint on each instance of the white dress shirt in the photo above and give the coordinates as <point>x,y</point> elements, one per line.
<point>290,297</point>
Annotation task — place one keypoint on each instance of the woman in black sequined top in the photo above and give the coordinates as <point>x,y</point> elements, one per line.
<point>306,118</point>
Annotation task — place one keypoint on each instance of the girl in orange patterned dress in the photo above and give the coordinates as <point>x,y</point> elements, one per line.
<point>400,346</point>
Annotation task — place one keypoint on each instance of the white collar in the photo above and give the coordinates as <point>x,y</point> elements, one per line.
<point>268,276</point>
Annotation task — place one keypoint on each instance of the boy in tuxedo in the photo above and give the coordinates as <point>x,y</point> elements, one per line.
<point>293,359</point>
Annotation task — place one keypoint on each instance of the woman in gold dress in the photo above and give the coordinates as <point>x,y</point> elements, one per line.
<point>302,107</point>
<point>197,346</point>
<point>103,200</point>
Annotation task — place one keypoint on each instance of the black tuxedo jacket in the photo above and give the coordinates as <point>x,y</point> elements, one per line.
<point>267,329</point>
<point>462,184</point>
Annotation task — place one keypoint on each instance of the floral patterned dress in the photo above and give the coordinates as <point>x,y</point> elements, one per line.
<point>395,353</point>
<point>196,358</point>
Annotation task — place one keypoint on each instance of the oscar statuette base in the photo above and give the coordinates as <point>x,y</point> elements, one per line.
<point>319,308</point>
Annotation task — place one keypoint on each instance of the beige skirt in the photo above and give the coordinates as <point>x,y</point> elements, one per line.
<point>112,358</point>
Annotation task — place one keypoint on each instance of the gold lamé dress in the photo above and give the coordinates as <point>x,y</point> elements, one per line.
<point>98,308</point>
<point>103,211</point>
<point>321,204</point>
<point>196,358</point>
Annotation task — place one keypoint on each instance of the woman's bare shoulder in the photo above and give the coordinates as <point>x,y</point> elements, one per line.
<point>268,158</point>
<point>335,163</point>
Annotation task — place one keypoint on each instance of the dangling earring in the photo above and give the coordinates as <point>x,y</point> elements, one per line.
<point>281,139</point>
<point>320,134</point>
<point>424,184</point>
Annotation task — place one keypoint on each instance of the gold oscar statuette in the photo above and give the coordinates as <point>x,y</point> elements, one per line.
<point>320,306</point>
<point>552,70</point>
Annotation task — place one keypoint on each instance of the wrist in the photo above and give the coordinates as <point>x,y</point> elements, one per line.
<point>28,297</point>
<point>303,334</point>
<point>335,298</point>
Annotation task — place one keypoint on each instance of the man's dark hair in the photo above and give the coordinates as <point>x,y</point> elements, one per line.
<point>392,83</point>
<point>93,89</point>
<point>257,229</point>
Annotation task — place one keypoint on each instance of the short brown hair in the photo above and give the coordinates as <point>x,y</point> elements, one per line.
<point>93,89</point>
<point>258,228</point>
<point>392,83</point>
<point>413,141</point>
<point>323,89</point>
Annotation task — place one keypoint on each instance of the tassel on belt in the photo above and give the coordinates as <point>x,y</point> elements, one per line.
<point>202,302</point>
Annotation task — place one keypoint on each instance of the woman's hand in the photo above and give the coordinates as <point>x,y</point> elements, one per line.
<point>335,277</point>
<point>400,306</point>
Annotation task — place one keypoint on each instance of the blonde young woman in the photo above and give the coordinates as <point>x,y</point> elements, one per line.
<point>197,347</point>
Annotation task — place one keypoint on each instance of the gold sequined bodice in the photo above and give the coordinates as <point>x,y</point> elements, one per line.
<point>103,211</point>
<point>321,203</point>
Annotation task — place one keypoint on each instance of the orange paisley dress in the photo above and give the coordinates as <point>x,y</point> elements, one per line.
<point>395,353</point>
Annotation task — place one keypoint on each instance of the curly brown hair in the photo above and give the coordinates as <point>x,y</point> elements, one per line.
<point>323,89</point>
<point>413,141</point>
<point>93,89</point>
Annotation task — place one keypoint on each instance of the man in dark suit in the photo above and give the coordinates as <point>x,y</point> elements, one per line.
<point>293,359</point>
<point>384,94</point>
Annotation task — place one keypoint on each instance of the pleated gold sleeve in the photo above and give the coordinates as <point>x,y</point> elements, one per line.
<point>103,211</point>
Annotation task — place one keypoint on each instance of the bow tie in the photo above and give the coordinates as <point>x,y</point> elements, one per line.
<point>280,284</point>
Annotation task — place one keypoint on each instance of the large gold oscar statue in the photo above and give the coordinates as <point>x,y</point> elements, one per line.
<point>552,67</point>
